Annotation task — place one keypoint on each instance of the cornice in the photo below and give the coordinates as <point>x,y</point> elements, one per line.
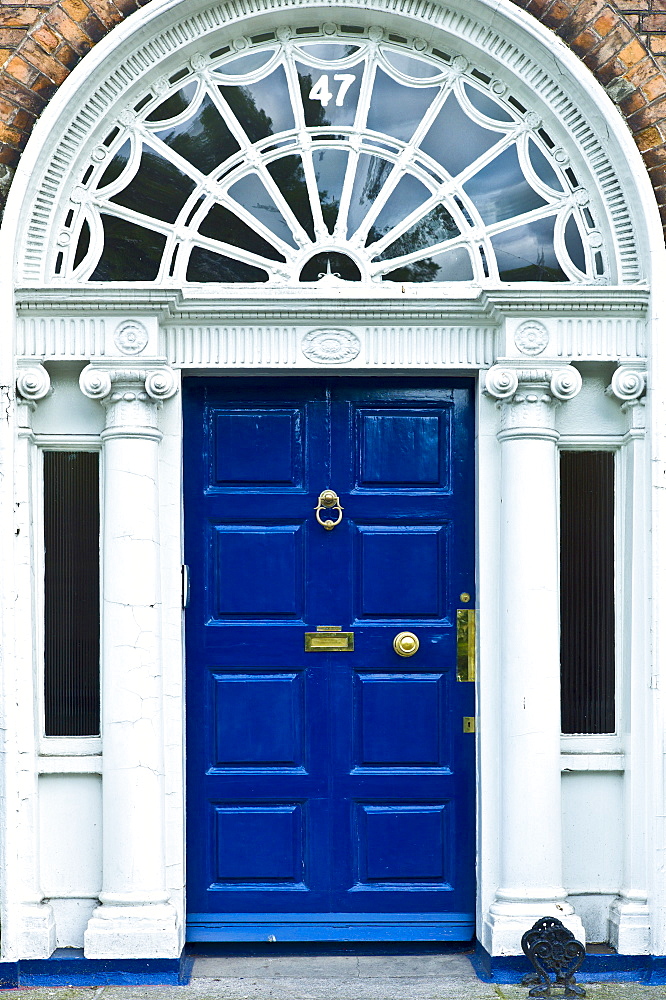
<point>291,305</point>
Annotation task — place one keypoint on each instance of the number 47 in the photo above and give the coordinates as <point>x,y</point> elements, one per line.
<point>321,93</point>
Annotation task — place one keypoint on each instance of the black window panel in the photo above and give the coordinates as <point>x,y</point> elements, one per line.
<point>587,587</point>
<point>71,593</point>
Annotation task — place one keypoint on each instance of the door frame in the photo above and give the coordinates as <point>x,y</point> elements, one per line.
<point>353,927</point>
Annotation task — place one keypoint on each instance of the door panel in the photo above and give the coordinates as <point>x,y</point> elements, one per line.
<point>330,793</point>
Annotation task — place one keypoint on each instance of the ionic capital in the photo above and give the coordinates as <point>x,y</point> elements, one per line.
<point>32,382</point>
<point>509,384</point>
<point>628,383</point>
<point>131,396</point>
<point>528,397</point>
<point>113,384</point>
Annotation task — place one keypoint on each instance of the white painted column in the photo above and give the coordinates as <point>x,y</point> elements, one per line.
<point>31,932</point>
<point>629,918</point>
<point>530,833</point>
<point>135,918</point>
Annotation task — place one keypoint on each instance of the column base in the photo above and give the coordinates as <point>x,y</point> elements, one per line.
<point>629,925</point>
<point>149,931</point>
<point>37,930</point>
<point>506,922</point>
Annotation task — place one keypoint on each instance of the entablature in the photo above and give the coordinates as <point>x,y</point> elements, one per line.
<point>370,331</point>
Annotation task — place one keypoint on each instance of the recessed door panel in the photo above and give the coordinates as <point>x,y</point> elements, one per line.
<point>399,720</point>
<point>401,571</point>
<point>330,784</point>
<point>258,719</point>
<point>259,843</point>
<point>258,571</point>
<point>257,446</point>
<point>402,844</point>
<point>403,449</point>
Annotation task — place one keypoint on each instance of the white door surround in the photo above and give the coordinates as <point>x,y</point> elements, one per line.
<point>538,349</point>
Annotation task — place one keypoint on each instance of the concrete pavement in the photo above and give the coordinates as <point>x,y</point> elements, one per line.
<point>334,977</point>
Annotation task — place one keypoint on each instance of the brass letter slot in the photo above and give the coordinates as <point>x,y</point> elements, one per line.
<point>466,636</point>
<point>329,638</point>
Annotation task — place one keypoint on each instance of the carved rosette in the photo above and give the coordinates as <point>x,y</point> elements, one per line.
<point>131,337</point>
<point>33,383</point>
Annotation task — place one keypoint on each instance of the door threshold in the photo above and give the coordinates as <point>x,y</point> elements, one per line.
<point>289,927</point>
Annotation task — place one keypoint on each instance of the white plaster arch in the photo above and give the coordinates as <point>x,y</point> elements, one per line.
<point>159,40</point>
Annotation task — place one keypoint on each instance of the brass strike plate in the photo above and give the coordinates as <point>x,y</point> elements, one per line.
<point>329,638</point>
<point>468,724</point>
<point>466,644</point>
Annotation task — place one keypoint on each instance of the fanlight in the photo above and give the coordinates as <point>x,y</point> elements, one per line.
<point>319,156</point>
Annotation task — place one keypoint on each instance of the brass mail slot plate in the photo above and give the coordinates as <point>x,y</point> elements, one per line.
<point>466,637</point>
<point>331,642</point>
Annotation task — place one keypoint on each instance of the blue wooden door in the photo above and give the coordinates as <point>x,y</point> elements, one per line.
<point>330,794</point>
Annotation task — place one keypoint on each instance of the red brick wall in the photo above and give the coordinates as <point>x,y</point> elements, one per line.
<point>623,42</point>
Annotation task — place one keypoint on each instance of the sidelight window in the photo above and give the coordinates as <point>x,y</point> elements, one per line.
<point>587,587</point>
<point>71,593</point>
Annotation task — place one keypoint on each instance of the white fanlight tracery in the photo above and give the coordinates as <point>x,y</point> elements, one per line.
<point>331,154</point>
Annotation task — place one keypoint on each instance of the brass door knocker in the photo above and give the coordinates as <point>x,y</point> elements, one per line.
<point>328,500</point>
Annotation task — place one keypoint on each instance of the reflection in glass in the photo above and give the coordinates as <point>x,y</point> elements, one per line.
<point>221,224</point>
<point>387,95</point>
<point>288,174</point>
<point>542,168</point>
<point>408,195</point>
<point>158,189</point>
<point>328,50</point>
<point>500,190</point>
<point>204,139</point>
<point>330,166</point>
<point>251,193</point>
<point>204,265</point>
<point>453,265</point>
<point>527,253</point>
<point>418,69</point>
<point>262,108</point>
<point>574,244</point>
<point>371,173</point>
<point>247,63</point>
<point>323,265</point>
<point>173,105</point>
<point>117,165</point>
<point>486,105</point>
<point>437,227</point>
<point>131,253</point>
<point>454,140</point>
<point>83,244</point>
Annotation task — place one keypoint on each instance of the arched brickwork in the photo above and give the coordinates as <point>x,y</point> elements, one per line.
<point>623,42</point>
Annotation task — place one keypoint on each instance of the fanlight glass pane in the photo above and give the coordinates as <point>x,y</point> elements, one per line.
<point>158,189</point>
<point>501,191</point>
<point>455,265</point>
<point>454,140</point>
<point>333,159</point>
<point>527,253</point>
<point>205,139</point>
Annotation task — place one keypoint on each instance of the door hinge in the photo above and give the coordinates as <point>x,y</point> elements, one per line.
<point>185,574</point>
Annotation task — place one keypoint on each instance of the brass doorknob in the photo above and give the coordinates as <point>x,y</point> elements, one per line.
<point>405,644</point>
